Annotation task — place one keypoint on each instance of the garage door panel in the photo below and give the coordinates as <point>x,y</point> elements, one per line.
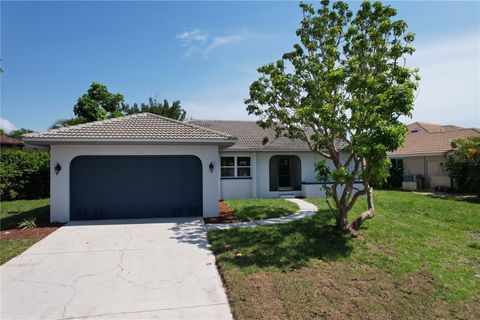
<point>120,187</point>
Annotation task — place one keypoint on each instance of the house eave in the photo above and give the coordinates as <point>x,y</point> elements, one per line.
<point>48,142</point>
<point>416,154</point>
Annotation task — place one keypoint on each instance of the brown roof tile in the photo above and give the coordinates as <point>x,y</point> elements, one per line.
<point>427,138</point>
<point>250,136</point>
<point>8,141</point>
<point>141,127</point>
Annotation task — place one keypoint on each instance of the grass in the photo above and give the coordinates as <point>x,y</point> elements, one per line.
<point>10,248</point>
<point>256,209</point>
<point>12,214</point>
<point>418,258</point>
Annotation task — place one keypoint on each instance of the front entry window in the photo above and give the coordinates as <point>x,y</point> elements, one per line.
<point>285,173</point>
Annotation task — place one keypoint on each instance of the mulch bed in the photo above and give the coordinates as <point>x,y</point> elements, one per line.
<point>226,214</point>
<point>42,231</point>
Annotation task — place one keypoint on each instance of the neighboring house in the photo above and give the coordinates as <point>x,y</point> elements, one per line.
<point>423,154</point>
<point>145,165</point>
<point>8,142</point>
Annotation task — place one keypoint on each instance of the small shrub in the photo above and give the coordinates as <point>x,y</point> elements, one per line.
<point>29,223</point>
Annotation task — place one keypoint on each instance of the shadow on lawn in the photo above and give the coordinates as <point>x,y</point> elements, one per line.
<point>286,246</point>
<point>41,215</point>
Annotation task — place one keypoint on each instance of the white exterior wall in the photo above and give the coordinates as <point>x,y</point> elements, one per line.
<point>236,188</point>
<point>414,165</point>
<point>64,154</point>
<point>240,188</point>
<point>430,167</point>
<point>259,185</point>
<point>317,190</point>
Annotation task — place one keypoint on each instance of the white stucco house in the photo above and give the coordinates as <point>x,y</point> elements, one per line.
<point>145,165</point>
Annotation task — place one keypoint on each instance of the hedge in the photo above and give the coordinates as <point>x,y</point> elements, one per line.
<point>24,174</point>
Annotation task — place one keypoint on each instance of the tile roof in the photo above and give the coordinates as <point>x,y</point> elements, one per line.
<point>8,141</point>
<point>427,138</point>
<point>136,128</point>
<point>250,136</point>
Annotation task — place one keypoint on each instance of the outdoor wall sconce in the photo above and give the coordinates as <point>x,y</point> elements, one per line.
<point>211,166</point>
<point>58,167</point>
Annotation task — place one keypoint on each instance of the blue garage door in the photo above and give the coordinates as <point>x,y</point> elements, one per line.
<point>122,187</point>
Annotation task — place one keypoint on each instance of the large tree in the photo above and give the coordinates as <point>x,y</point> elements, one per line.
<point>173,111</point>
<point>98,104</point>
<point>342,90</point>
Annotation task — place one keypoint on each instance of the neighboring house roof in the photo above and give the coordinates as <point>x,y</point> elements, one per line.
<point>250,136</point>
<point>141,128</point>
<point>8,141</point>
<point>426,138</point>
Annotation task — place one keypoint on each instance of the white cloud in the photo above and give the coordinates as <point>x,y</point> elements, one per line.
<point>194,35</point>
<point>450,85</point>
<point>6,125</point>
<point>198,42</point>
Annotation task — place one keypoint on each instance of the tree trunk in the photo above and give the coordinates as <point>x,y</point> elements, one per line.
<point>342,222</point>
<point>369,214</point>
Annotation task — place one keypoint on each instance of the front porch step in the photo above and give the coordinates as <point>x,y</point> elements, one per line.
<point>287,196</point>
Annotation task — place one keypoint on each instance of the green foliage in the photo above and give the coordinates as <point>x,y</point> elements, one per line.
<point>67,122</point>
<point>28,223</point>
<point>395,177</point>
<point>463,164</point>
<point>19,132</point>
<point>322,171</point>
<point>24,174</point>
<point>98,104</point>
<point>342,89</point>
<point>174,111</point>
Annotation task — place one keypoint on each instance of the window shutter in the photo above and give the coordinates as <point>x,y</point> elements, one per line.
<point>273,173</point>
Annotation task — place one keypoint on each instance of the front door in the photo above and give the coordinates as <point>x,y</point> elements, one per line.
<point>284,173</point>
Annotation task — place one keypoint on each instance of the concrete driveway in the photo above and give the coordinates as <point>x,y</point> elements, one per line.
<point>117,269</point>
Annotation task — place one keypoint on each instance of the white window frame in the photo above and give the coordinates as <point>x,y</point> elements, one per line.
<point>235,167</point>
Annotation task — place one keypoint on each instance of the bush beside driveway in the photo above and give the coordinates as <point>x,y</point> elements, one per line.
<point>417,258</point>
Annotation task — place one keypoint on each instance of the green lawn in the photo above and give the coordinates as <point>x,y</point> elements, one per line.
<point>255,209</point>
<point>419,258</point>
<point>10,248</point>
<point>14,212</point>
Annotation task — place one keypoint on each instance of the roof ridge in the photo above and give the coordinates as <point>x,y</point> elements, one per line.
<point>222,120</point>
<point>452,130</point>
<point>191,125</point>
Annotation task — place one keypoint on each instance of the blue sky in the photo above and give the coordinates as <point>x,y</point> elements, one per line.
<point>204,54</point>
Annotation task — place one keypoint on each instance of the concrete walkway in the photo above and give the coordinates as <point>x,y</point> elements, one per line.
<point>307,209</point>
<point>117,269</point>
